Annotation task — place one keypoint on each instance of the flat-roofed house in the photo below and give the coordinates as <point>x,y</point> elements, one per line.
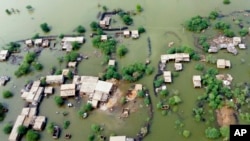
<point>45,43</point>
<point>104,87</point>
<point>242,46</point>
<point>38,42</point>
<point>178,66</point>
<point>39,123</point>
<point>4,55</point>
<point>105,22</point>
<point>135,34</point>
<point>29,43</point>
<point>167,76</point>
<point>67,46</point>
<point>14,136</point>
<point>48,90</point>
<point>104,37</point>
<point>54,79</point>
<point>79,39</point>
<point>120,138</point>
<point>222,63</point>
<point>88,84</point>
<point>111,63</point>
<point>236,41</point>
<point>68,90</point>
<point>102,24</point>
<point>197,81</point>
<point>126,33</point>
<point>72,64</point>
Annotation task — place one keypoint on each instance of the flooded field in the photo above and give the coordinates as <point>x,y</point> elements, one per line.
<point>163,22</point>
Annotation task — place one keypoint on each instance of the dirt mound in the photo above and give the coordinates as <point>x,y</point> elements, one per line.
<point>226,116</point>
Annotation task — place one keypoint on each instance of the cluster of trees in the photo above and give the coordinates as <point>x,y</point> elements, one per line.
<point>134,71</point>
<point>13,47</point>
<point>243,32</point>
<point>122,51</point>
<point>111,72</point>
<point>24,68</point>
<point>184,49</point>
<point>80,29</point>
<point>213,15</point>
<point>7,94</point>
<point>71,56</point>
<point>158,82</point>
<point>197,24</point>
<point>198,114</point>
<point>45,27</point>
<point>225,28</point>
<point>126,18</point>
<point>203,42</point>
<point>2,112</point>
<point>106,47</point>
<point>7,128</point>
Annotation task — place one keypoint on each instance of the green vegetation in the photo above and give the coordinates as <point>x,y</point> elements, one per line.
<point>50,127</point>
<point>141,29</point>
<point>30,57</point>
<point>197,24</point>
<point>198,114</point>
<point>122,51</point>
<point>32,135</point>
<point>147,101</point>
<point>70,75</point>
<point>107,47</point>
<point>91,138</point>
<point>59,100</point>
<point>71,56</point>
<point>22,70</point>
<point>186,133</point>
<point>104,8</point>
<point>94,26</point>
<point>2,112</point>
<point>45,27</point>
<point>58,72</point>
<point>139,8</point>
<point>8,11</point>
<point>224,130</point>
<point>111,72</point>
<point>203,42</point>
<point>13,47</point>
<point>164,93</point>
<point>158,82</point>
<point>125,18</point>
<point>174,100</point>
<point>7,94</point>
<point>226,1</point>
<point>149,70</point>
<point>212,133</point>
<point>243,32</point>
<point>29,7</point>
<point>184,49</point>
<point>228,33</point>
<point>141,93</point>
<point>66,124</point>
<point>38,66</point>
<point>75,45</point>
<point>84,109</point>
<point>7,128</point>
<point>222,25</point>
<point>21,130</point>
<point>95,128</point>
<point>36,36</point>
<point>80,29</point>
<point>213,15</point>
<point>199,67</point>
<point>133,72</point>
<point>43,81</point>
<point>123,100</point>
<point>61,36</point>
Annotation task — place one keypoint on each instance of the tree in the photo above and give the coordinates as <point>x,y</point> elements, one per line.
<point>140,93</point>
<point>66,124</point>
<point>224,130</point>
<point>61,36</point>
<point>22,70</point>
<point>70,75</point>
<point>221,25</point>
<point>147,100</point>
<point>141,29</point>
<point>71,56</point>
<point>50,127</point>
<point>164,93</point>
<point>13,47</point>
<point>45,27</point>
<point>29,8</point>
<point>30,57</point>
<point>159,105</point>
<point>36,36</point>
<point>75,45</point>
<point>158,82</point>
<point>104,8</point>
<point>7,94</point>
<point>186,133</point>
<point>213,15</point>
<point>149,70</point>
<point>197,24</point>
<point>38,66</point>
<point>2,112</point>
<point>8,11</point>
<point>32,135</point>
<point>91,137</point>
<point>174,100</point>
<point>127,19</point>
<point>80,29</point>
<point>7,128</point>
<point>243,32</point>
<point>87,107</point>
<point>59,100</point>
<point>21,130</point>
<point>94,26</point>
<point>43,82</point>
<point>226,1</point>
<point>228,33</point>
<point>199,67</point>
<point>95,128</point>
<point>138,8</point>
<point>122,51</point>
<point>212,133</point>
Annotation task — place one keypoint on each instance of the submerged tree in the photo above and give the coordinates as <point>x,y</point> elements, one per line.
<point>45,27</point>
<point>32,135</point>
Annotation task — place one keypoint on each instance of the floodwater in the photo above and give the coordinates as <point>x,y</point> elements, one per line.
<point>160,18</point>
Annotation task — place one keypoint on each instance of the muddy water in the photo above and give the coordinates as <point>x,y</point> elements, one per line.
<point>159,18</point>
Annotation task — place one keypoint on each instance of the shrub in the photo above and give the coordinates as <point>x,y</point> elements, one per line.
<point>226,1</point>
<point>45,27</point>
<point>243,32</point>
<point>50,128</point>
<point>141,29</point>
<point>7,128</point>
<point>138,8</point>
<point>186,133</point>
<point>95,128</point>
<point>66,124</point>
<point>21,130</point>
<point>212,133</point>
<point>122,51</point>
<point>199,67</point>
<point>213,15</point>
<point>80,29</point>
<point>197,24</point>
<point>38,66</point>
<point>7,94</point>
<point>32,135</point>
<point>59,100</point>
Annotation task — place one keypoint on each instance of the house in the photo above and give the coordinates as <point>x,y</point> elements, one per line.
<point>111,63</point>
<point>212,49</point>
<point>178,66</point>
<point>48,90</point>
<point>236,41</point>
<point>4,55</point>
<point>222,63</point>
<point>102,24</point>
<point>120,138</point>
<point>72,64</point>
<point>126,33</point>
<point>103,89</point>
<point>29,43</point>
<point>67,90</point>
<point>54,79</point>
<point>14,136</point>
<point>138,87</point>
<point>104,37</point>
<point>105,22</point>
<point>197,81</point>
<point>225,78</point>
<point>45,43</point>
<point>167,76</point>
<point>79,39</point>
<point>38,42</point>
<point>135,34</point>
<point>182,57</point>
<point>242,46</point>
<point>39,123</point>
<point>88,84</point>
<point>67,46</point>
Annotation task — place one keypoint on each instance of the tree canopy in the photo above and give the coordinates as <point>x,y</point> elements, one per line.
<point>45,27</point>
<point>32,135</point>
<point>197,24</point>
<point>212,133</point>
<point>122,51</point>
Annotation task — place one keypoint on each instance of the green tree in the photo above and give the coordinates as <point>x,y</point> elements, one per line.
<point>147,100</point>
<point>212,133</point>
<point>197,24</point>
<point>226,1</point>
<point>75,45</point>
<point>138,8</point>
<point>159,105</point>
<point>8,11</point>
<point>123,100</point>
<point>199,67</point>
<point>122,51</point>
<point>36,36</point>
<point>95,128</point>
<point>228,33</point>
<point>91,137</point>
<point>43,82</point>
<point>80,29</point>
<point>61,36</point>
<point>71,56</point>
<point>127,19</point>
<point>243,32</point>
<point>164,93</point>
<point>7,128</point>
<point>45,27</point>
<point>2,112</point>
<point>38,66</point>
<point>158,82</point>
<point>141,29</point>
<point>22,70</point>
<point>59,100</point>
<point>94,26</point>
<point>13,47</point>
<point>224,130</point>
<point>30,57</point>
<point>21,130</point>
<point>222,25</point>
<point>66,124</point>
<point>186,133</point>
<point>32,135</point>
<point>140,93</point>
<point>50,127</point>
<point>213,15</point>
<point>174,100</point>
<point>7,94</point>
<point>149,70</point>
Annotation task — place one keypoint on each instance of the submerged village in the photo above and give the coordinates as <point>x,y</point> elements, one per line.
<point>131,96</point>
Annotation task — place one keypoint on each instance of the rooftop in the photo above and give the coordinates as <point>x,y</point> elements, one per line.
<point>103,86</point>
